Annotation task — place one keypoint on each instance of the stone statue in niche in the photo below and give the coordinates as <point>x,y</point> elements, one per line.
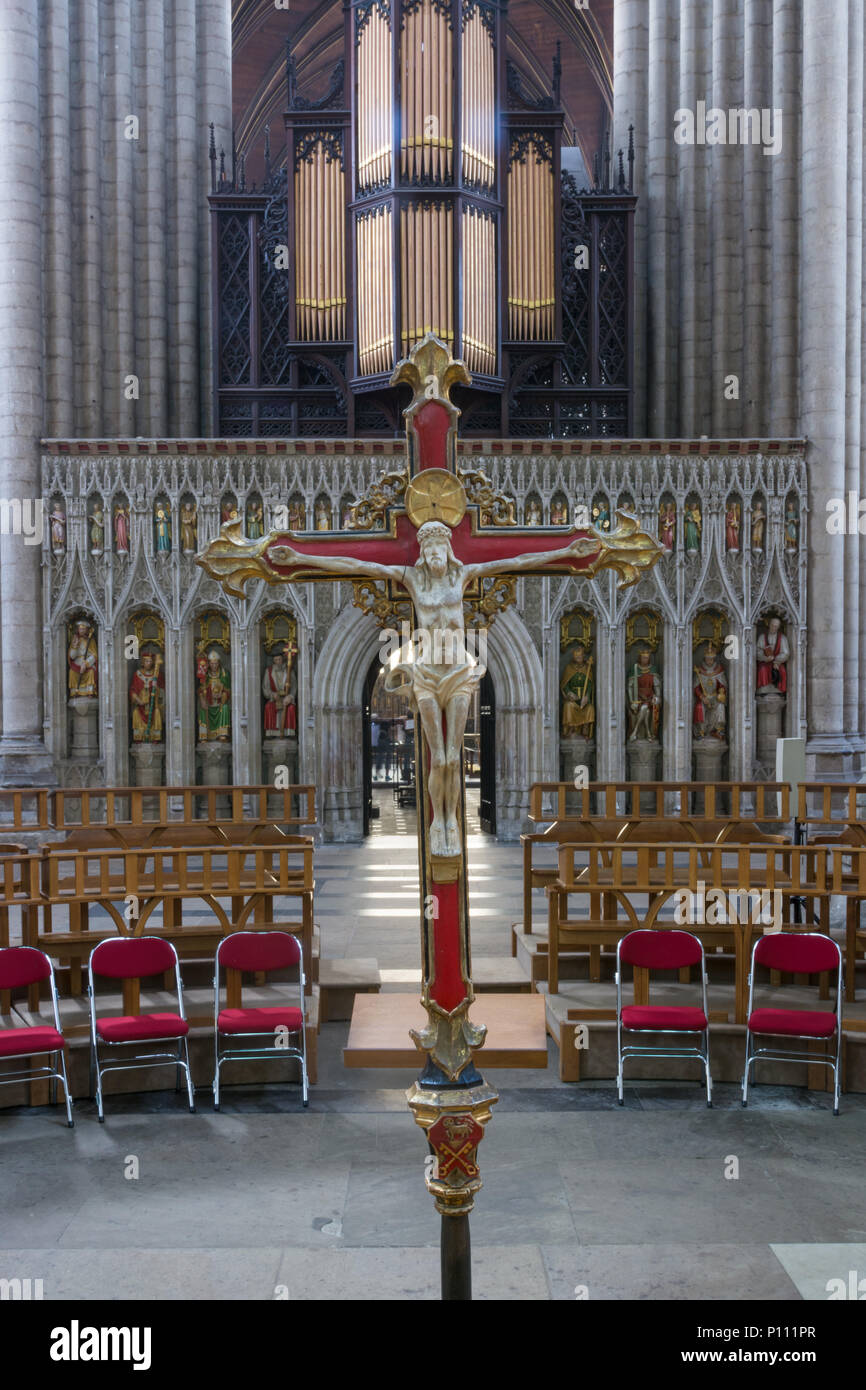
<point>147,699</point>
<point>601,515</point>
<point>57,518</point>
<point>668,525</point>
<point>644,697</point>
<point>577,688</point>
<point>83,656</point>
<point>759,522</point>
<point>297,516</point>
<point>163,528</point>
<point>214,698</point>
<point>772,653</point>
<point>323,516</point>
<point>279,686</point>
<point>692,524</point>
<point>732,527</point>
<point>710,714</point>
<point>792,525</point>
<point>255,520</point>
<point>121,529</point>
<point>97,530</point>
<point>228,510</point>
<point>188,528</point>
<point>558,513</point>
<point>533,514</point>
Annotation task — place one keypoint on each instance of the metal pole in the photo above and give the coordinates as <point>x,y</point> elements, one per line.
<point>456,1251</point>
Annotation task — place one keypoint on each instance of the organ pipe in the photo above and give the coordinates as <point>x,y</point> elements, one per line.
<point>530,243</point>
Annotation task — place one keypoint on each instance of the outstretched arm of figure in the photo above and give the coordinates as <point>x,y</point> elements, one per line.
<point>336,564</point>
<point>584,545</point>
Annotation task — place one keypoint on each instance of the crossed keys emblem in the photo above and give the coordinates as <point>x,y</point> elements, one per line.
<point>455,1138</point>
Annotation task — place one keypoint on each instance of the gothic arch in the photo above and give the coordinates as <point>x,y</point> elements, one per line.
<point>338,685</point>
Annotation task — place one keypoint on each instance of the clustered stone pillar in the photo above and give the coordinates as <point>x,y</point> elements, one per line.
<point>23,758</point>
<point>784,316</point>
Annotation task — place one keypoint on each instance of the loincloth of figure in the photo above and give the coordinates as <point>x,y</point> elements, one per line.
<point>423,681</point>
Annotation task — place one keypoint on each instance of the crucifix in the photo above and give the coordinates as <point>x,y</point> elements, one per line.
<point>442,546</point>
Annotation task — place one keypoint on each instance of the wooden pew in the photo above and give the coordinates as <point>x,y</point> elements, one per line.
<point>614,810</point>
<point>143,815</point>
<point>610,876</point>
<point>130,884</point>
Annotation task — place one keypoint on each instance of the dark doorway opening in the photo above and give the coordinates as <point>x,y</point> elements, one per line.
<point>389,757</point>
<point>487,753</point>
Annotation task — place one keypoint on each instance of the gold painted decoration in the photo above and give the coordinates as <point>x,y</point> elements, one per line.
<point>435,495</point>
<point>382,600</point>
<point>487,597</point>
<point>716,623</point>
<point>496,508</point>
<point>431,371</point>
<point>369,511</point>
<point>575,629</point>
<point>628,550</point>
<point>647,619</point>
<point>231,559</point>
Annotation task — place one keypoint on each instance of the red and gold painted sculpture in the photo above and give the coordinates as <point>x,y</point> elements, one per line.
<point>428,552</point>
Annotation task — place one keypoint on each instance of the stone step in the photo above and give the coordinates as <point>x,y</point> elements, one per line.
<point>339,982</point>
<point>503,974</point>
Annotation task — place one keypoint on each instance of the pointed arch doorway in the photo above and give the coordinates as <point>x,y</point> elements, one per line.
<point>389,758</point>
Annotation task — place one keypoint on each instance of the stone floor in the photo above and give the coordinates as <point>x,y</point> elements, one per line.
<point>662,1199</point>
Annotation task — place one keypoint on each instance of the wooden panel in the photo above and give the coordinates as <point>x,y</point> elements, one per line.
<point>379,1033</point>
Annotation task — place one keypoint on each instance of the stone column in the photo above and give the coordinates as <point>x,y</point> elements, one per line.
<point>692,235</point>
<point>756,228</point>
<point>642,755</point>
<point>183,219</point>
<point>770,710</point>
<point>782,416</point>
<point>854,382</point>
<point>862,564</point>
<point>147,761</point>
<point>119,244</point>
<point>725,226</point>
<point>84,729</point>
<point>277,753</point>
<point>662,278</point>
<point>215,760</point>
<point>23,757</point>
<point>151,347</point>
<point>630,73</point>
<point>214,67</point>
<point>86,210</point>
<point>59,375</point>
<point>823,319</point>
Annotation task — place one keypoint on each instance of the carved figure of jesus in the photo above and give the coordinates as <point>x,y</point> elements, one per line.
<point>441,687</point>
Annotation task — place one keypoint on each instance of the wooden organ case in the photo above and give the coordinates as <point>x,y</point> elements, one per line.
<point>422,191</point>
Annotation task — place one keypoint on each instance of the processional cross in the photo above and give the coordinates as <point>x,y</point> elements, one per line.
<point>433,554</point>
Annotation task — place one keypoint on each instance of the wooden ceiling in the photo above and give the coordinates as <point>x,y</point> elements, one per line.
<point>260,32</point>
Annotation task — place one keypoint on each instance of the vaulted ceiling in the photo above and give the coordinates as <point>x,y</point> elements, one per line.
<point>260,31</point>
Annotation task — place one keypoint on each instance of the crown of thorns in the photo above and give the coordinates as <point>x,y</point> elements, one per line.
<point>431,529</point>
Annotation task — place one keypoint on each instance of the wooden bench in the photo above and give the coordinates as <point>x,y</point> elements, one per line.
<point>131,884</point>
<point>611,876</point>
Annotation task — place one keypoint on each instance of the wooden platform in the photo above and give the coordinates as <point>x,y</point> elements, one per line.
<point>379,1035</point>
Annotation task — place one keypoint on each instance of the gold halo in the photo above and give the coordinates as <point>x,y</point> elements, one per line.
<point>435,495</point>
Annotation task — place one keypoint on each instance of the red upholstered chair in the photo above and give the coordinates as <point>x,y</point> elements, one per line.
<point>662,950</point>
<point>21,966</point>
<point>240,1033</point>
<point>132,959</point>
<point>802,953</point>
